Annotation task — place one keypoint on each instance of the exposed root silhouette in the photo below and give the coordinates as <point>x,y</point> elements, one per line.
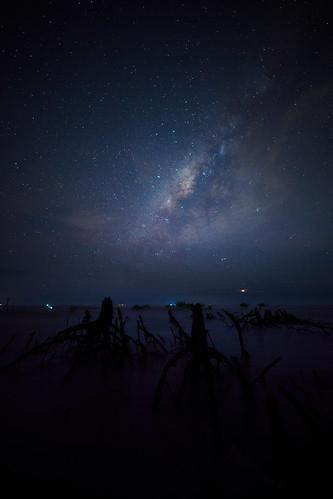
<point>199,367</point>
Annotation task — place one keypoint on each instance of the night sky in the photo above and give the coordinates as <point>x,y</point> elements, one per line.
<point>164,151</point>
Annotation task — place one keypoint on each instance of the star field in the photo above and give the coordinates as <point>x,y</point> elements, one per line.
<point>166,151</point>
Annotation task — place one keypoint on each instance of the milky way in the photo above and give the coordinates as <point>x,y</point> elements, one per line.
<point>174,153</point>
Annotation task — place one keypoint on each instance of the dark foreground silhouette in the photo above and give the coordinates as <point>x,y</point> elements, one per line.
<point>95,412</point>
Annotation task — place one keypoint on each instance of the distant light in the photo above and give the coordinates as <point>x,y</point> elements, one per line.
<point>172,304</point>
<point>243,290</point>
<point>50,307</point>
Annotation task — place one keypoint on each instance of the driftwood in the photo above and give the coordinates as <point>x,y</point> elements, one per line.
<point>279,317</point>
<point>179,334</point>
<point>102,335</point>
<point>200,357</point>
<point>259,318</point>
<point>145,338</point>
<point>238,327</point>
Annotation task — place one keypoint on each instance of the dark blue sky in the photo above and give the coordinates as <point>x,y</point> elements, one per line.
<point>153,152</point>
